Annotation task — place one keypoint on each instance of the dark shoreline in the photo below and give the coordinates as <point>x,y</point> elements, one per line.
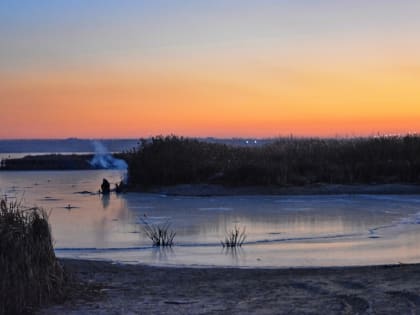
<point>208,190</point>
<point>106,288</point>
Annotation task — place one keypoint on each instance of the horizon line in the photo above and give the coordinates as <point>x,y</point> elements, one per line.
<point>373,135</point>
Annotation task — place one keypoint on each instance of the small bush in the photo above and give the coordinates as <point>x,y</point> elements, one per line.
<point>30,273</point>
<point>235,238</point>
<point>160,235</point>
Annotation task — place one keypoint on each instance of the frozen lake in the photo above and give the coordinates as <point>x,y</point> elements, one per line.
<point>281,231</point>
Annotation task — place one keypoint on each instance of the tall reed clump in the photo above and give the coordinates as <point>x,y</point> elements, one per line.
<point>234,238</point>
<point>30,274</point>
<point>160,235</point>
<point>172,160</point>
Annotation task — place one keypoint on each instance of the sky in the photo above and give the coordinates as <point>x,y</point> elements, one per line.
<point>128,69</point>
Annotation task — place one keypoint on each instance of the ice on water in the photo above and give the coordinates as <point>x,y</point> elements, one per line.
<point>281,230</point>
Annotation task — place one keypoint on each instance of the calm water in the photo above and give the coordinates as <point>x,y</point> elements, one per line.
<point>281,230</point>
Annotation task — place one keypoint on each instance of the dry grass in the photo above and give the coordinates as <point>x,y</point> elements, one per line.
<point>159,234</point>
<point>234,238</point>
<point>30,273</point>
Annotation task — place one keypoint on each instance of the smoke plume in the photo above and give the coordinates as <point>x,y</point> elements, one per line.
<point>104,159</point>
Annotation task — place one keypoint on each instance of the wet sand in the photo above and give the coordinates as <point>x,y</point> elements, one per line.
<point>105,288</point>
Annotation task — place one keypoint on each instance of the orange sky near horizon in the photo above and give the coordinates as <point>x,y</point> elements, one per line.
<point>235,103</point>
<point>357,83</point>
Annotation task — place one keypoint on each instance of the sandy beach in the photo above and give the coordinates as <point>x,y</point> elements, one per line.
<point>106,288</point>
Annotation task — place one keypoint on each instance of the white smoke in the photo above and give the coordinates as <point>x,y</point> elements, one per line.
<point>104,159</point>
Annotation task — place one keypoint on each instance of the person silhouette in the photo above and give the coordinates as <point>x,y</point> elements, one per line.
<point>119,187</point>
<point>105,187</point>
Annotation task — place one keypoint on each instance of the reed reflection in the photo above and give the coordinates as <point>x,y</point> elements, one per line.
<point>237,254</point>
<point>161,254</point>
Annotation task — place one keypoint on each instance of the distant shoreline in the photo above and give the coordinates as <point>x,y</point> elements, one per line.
<point>204,190</point>
<point>107,288</point>
<point>78,162</point>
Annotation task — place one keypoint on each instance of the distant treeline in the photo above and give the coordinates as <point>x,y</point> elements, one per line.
<point>174,160</point>
<point>64,145</point>
<point>48,162</point>
<point>75,145</point>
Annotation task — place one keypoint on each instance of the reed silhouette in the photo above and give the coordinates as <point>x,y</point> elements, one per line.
<point>171,160</point>
<point>234,238</point>
<point>160,234</point>
<point>30,273</point>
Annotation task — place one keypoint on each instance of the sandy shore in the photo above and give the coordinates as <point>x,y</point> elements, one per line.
<point>314,189</point>
<point>105,288</point>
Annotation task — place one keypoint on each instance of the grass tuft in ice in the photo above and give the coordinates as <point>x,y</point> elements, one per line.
<point>159,234</point>
<point>234,238</point>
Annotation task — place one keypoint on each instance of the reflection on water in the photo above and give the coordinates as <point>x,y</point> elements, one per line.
<point>105,200</point>
<point>281,230</point>
<point>161,254</point>
<point>237,255</point>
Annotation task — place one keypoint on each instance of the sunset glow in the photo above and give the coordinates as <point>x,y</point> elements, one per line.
<point>226,69</point>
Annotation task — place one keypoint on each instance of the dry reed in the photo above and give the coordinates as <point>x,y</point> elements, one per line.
<point>160,235</point>
<point>234,238</point>
<point>31,275</point>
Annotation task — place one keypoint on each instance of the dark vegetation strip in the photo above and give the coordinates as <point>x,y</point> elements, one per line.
<point>30,275</point>
<point>171,160</point>
<point>48,162</point>
<point>282,162</point>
